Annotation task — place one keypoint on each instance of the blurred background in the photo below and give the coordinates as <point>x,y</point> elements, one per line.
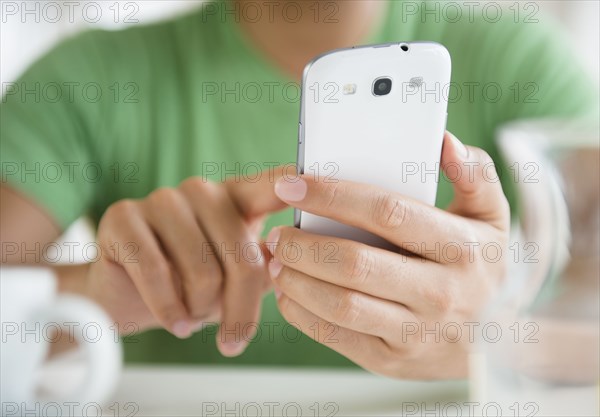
<point>22,40</point>
<point>559,294</point>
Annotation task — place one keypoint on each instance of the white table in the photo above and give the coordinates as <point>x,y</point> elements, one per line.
<point>178,391</point>
<point>192,390</point>
<point>244,391</point>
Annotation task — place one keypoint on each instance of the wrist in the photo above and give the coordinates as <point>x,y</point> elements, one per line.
<point>72,279</point>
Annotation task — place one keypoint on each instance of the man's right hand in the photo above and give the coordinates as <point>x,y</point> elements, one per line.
<point>182,256</point>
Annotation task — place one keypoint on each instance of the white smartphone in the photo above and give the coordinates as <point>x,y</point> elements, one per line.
<point>374,114</point>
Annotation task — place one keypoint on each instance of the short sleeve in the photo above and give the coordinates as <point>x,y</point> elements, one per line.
<point>46,120</point>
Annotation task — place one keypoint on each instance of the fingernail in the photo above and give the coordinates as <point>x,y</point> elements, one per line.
<point>182,329</point>
<point>272,239</point>
<point>233,348</point>
<point>460,149</point>
<point>199,326</point>
<point>275,268</point>
<point>291,189</point>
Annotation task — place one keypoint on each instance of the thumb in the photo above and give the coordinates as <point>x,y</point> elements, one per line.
<point>254,195</point>
<point>477,190</point>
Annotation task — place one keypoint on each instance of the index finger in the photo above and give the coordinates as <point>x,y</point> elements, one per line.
<point>403,221</point>
<point>254,196</point>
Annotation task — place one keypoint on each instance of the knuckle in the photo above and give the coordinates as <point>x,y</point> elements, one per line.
<point>115,218</point>
<point>195,185</point>
<point>357,264</point>
<point>164,196</point>
<point>168,311</point>
<point>287,276</point>
<point>122,208</point>
<point>155,270</point>
<point>285,308</point>
<point>208,279</point>
<point>441,298</point>
<point>332,191</point>
<point>389,212</point>
<point>346,309</point>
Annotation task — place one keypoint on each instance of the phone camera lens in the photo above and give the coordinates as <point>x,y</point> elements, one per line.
<point>404,48</point>
<point>382,86</point>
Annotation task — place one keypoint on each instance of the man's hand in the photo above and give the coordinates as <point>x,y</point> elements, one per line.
<point>381,301</point>
<point>168,262</point>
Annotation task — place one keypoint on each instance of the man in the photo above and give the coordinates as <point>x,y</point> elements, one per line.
<point>176,111</point>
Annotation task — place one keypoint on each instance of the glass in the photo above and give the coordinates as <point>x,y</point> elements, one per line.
<point>538,352</point>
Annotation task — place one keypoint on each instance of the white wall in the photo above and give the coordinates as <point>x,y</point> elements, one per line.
<point>582,21</point>
<point>27,29</point>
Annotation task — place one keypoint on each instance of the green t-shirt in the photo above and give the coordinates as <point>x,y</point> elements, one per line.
<point>112,115</point>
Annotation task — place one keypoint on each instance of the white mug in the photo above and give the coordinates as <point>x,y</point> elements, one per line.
<point>31,313</point>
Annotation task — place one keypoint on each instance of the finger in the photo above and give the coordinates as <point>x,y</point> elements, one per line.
<point>238,254</point>
<point>477,190</point>
<point>149,270</point>
<point>347,308</point>
<point>405,222</point>
<point>186,245</point>
<point>417,283</point>
<point>254,196</point>
<point>367,351</point>
<point>267,283</point>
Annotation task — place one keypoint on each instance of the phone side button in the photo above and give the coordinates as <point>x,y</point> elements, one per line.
<point>300,133</point>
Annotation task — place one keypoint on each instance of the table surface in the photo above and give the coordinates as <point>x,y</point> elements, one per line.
<point>192,390</point>
<point>247,391</point>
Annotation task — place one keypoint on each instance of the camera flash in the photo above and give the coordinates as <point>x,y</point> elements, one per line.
<point>416,82</point>
<point>349,89</point>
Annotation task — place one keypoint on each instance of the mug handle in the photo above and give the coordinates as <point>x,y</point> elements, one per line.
<point>93,335</point>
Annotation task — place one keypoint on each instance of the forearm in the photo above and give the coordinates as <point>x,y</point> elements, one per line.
<point>25,228</point>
